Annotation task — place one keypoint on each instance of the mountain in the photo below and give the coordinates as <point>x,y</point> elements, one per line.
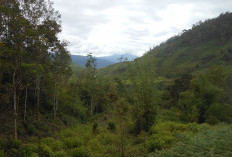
<point>102,61</point>
<point>115,58</point>
<point>81,61</point>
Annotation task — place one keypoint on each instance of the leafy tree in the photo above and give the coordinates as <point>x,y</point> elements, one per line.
<point>91,80</point>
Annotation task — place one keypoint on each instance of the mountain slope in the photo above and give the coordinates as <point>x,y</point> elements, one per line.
<point>81,60</point>
<point>115,58</point>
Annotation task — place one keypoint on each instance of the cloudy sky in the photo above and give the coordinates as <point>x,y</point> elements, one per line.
<point>107,27</point>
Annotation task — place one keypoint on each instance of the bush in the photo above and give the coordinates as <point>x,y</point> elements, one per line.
<point>12,143</point>
<point>52,143</point>
<point>219,112</point>
<point>209,141</point>
<point>30,128</point>
<point>28,150</point>
<point>2,144</point>
<point>72,142</point>
<point>34,155</point>
<point>2,154</point>
<point>60,154</point>
<point>105,139</point>
<point>159,141</point>
<point>79,152</point>
<point>45,150</point>
<point>94,127</point>
<point>166,133</point>
<point>111,125</point>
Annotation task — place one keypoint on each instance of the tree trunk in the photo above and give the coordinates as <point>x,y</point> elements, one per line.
<point>91,106</point>
<point>15,105</point>
<point>55,100</point>
<point>38,92</point>
<point>25,106</point>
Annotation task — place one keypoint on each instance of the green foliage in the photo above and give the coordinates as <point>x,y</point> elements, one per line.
<point>111,125</point>
<point>163,135</point>
<point>60,154</point>
<point>30,128</point>
<point>219,112</point>
<point>45,150</point>
<point>95,127</point>
<point>144,109</point>
<point>79,152</point>
<point>72,142</point>
<point>52,143</point>
<point>2,154</point>
<point>209,141</point>
<point>12,143</point>
<point>29,150</point>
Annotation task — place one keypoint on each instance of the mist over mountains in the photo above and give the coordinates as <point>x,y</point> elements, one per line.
<point>102,61</point>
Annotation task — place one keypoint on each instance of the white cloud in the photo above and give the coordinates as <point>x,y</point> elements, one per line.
<point>107,27</point>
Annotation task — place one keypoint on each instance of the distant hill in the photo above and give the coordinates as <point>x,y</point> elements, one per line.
<point>102,61</point>
<point>115,58</point>
<point>81,61</point>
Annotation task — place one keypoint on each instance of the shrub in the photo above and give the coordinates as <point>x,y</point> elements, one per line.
<point>111,125</point>
<point>34,155</point>
<point>2,154</point>
<point>60,154</point>
<point>209,141</point>
<point>52,143</point>
<point>45,150</point>
<point>94,127</point>
<point>72,142</point>
<point>105,139</point>
<point>30,128</point>
<point>2,144</point>
<point>12,143</point>
<point>166,133</point>
<point>79,152</point>
<point>28,150</point>
<point>219,112</point>
<point>159,141</point>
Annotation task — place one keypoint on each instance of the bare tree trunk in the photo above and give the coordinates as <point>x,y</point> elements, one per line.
<point>55,103</point>
<point>15,106</point>
<point>38,92</point>
<point>91,106</point>
<point>25,106</point>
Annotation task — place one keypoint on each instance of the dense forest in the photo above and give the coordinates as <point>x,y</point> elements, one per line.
<point>175,100</point>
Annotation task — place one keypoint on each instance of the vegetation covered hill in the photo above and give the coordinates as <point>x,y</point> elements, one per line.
<point>173,101</point>
<point>81,61</point>
<point>102,62</point>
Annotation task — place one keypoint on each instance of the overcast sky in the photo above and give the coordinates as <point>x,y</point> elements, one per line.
<point>107,27</point>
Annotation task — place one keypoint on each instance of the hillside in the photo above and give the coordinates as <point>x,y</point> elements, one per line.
<point>102,61</point>
<point>116,58</point>
<point>81,61</point>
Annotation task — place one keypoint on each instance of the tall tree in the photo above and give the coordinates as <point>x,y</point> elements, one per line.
<point>91,78</point>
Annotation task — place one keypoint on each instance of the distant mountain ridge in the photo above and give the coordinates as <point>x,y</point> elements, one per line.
<point>101,61</point>
<point>115,58</point>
